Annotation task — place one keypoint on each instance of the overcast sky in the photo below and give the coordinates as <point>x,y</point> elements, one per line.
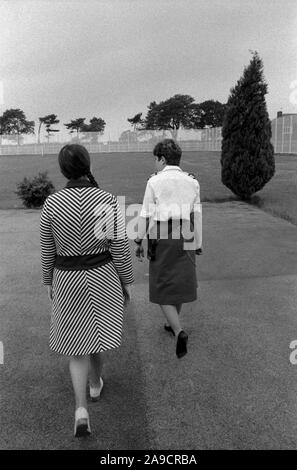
<point>110,59</point>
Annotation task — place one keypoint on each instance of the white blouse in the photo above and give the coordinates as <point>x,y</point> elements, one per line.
<point>172,194</point>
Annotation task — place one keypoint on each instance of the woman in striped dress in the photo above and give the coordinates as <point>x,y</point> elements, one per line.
<point>86,264</point>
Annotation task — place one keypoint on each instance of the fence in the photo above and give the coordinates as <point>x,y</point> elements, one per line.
<point>128,141</point>
<point>109,147</point>
<point>284,140</point>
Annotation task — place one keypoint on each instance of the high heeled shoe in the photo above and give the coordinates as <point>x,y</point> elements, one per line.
<point>95,392</point>
<point>82,423</point>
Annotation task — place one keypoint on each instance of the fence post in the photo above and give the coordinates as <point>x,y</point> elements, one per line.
<point>1,353</point>
<point>283,135</point>
<point>291,131</point>
<point>275,136</point>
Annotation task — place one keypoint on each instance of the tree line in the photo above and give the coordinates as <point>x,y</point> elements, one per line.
<point>179,111</point>
<point>13,124</point>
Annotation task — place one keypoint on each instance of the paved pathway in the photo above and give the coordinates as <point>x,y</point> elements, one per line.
<point>235,389</point>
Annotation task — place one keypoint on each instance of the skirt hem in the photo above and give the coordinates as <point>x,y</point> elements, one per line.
<point>172,301</point>
<point>102,349</point>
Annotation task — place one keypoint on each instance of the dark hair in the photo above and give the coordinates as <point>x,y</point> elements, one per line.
<point>74,161</point>
<point>170,150</point>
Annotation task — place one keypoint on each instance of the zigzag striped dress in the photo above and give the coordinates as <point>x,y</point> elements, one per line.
<point>87,305</point>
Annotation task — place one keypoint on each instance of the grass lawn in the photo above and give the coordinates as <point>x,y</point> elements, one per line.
<point>279,196</point>
<point>126,174</point>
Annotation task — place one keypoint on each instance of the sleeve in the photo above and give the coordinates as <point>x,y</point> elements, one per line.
<point>120,248</point>
<point>197,218</point>
<point>48,246</point>
<point>147,211</point>
<point>148,205</point>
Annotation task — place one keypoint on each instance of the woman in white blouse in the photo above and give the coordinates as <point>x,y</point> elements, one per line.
<point>171,208</point>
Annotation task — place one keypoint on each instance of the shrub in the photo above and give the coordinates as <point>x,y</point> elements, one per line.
<point>247,157</point>
<point>34,192</point>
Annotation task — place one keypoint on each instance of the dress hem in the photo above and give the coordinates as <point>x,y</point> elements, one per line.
<point>84,353</point>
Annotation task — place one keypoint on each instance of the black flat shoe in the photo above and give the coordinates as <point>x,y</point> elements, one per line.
<point>169,329</point>
<point>181,344</point>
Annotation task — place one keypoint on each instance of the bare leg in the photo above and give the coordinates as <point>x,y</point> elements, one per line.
<point>170,312</point>
<point>178,308</point>
<point>79,367</point>
<point>96,366</point>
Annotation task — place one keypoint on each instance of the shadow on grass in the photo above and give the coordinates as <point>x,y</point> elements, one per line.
<point>221,199</point>
<point>260,203</point>
<point>275,211</point>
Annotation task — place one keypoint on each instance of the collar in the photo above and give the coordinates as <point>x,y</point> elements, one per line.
<point>72,183</point>
<point>171,167</point>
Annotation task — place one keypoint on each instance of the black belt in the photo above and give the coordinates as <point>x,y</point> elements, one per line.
<point>84,262</point>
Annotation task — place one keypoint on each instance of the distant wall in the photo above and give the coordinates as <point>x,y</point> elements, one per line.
<point>284,133</point>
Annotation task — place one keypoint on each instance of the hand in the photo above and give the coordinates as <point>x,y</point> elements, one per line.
<point>50,292</point>
<point>199,251</point>
<point>127,293</point>
<point>139,252</point>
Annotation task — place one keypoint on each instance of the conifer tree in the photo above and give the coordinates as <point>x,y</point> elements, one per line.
<point>247,158</point>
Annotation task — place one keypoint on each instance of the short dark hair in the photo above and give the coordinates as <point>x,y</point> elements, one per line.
<point>170,150</point>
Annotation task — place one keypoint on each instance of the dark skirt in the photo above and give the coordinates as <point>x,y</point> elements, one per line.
<point>172,274</point>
